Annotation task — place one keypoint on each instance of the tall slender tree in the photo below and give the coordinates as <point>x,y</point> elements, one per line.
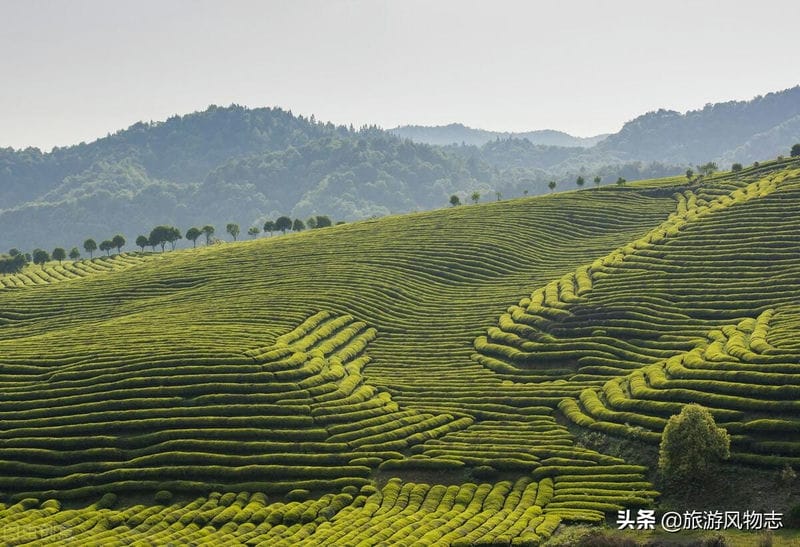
<point>90,246</point>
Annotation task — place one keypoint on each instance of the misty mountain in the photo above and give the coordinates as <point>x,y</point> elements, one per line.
<point>235,164</point>
<point>742,131</point>
<point>456,133</point>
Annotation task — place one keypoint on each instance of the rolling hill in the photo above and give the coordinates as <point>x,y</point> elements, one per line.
<point>427,378</point>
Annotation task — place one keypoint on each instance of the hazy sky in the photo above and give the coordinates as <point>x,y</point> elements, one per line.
<point>75,70</point>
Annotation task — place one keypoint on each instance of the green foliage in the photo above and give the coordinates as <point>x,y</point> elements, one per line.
<point>233,229</point>
<point>707,169</point>
<point>795,152</point>
<point>106,246</point>
<point>298,225</point>
<point>551,185</point>
<point>736,167</point>
<point>285,223</point>
<point>191,234</point>
<point>90,246</point>
<point>253,231</point>
<point>475,197</point>
<point>118,241</point>
<point>455,200</point>
<point>163,234</point>
<point>12,263</point>
<point>580,181</point>
<point>59,254</point>
<point>74,253</point>
<point>322,221</point>
<point>692,444</point>
<point>40,256</point>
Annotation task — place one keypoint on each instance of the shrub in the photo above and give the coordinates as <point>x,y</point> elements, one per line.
<point>163,497</point>
<point>788,474</point>
<point>692,443</point>
<point>298,494</point>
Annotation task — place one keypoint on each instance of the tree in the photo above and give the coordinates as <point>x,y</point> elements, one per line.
<point>208,230</point>
<point>597,182</point>
<point>173,235</point>
<point>551,185</point>
<point>269,226</point>
<point>311,223</point>
<point>40,257</point>
<point>475,197</point>
<point>736,167</point>
<point>298,225</point>
<point>795,152</point>
<point>323,221</point>
<point>689,174</point>
<point>59,254</point>
<point>283,224</point>
<point>74,254</point>
<point>580,181</point>
<point>233,229</point>
<point>14,252</point>
<point>498,195</point>
<point>118,242</point>
<point>192,234</point>
<point>142,242</point>
<point>707,169</point>
<point>455,200</point>
<point>106,246</point>
<point>90,246</point>
<point>692,444</point>
<point>253,231</point>
<point>161,235</point>
<point>621,181</point>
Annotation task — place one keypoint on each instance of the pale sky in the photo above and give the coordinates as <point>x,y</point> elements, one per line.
<point>76,70</point>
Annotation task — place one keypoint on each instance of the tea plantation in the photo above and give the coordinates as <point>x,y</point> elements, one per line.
<point>411,380</point>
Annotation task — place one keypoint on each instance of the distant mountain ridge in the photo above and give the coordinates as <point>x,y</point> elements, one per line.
<point>456,133</point>
<point>236,164</point>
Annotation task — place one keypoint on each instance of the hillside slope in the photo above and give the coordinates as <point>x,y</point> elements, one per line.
<point>340,358</point>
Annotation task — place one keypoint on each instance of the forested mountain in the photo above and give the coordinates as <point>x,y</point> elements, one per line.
<point>730,131</point>
<point>456,133</point>
<point>235,164</point>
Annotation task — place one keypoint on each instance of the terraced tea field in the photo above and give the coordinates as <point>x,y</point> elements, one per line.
<point>404,380</point>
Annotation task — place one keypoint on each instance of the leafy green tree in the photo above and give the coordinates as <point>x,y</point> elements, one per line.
<point>551,185</point>
<point>192,234</point>
<point>142,242</point>
<point>106,246</point>
<point>118,242</point>
<point>597,182</point>
<point>173,235</point>
<point>795,152</point>
<point>253,231</point>
<point>283,224</point>
<point>269,226</point>
<point>298,225</point>
<point>689,174</point>
<point>74,254</point>
<point>580,181</point>
<point>455,200</point>
<point>736,167</point>
<point>707,169</point>
<point>323,221</point>
<point>14,252</point>
<point>161,235</point>
<point>475,197</point>
<point>311,223</point>
<point>208,230</point>
<point>692,444</point>
<point>12,263</point>
<point>498,195</point>
<point>621,181</point>
<point>59,254</point>
<point>40,257</point>
<point>90,246</point>
<point>233,229</point>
